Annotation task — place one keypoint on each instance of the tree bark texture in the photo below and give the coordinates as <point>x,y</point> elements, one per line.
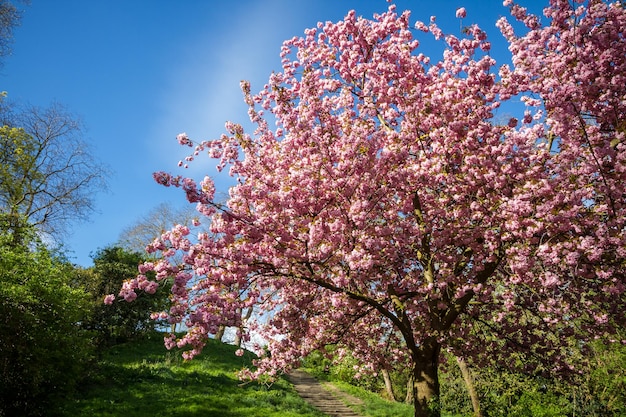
<point>426,379</point>
<point>409,390</point>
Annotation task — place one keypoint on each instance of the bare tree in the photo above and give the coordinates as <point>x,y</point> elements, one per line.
<point>49,175</point>
<point>9,18</point>
<point>149,227</point>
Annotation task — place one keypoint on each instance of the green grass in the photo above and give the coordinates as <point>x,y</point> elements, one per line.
<point>143,379</point>
<point>376,406</point>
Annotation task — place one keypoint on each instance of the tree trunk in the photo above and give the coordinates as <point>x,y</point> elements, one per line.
<point>409,390</point>
<point>426,379</point>
<point>469,383</point>
<point>220,333</point>
<point>388,385</point>
<point>239,333</point>
<point>237,341</point>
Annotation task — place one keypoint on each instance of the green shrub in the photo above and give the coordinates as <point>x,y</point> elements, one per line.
<point>43,350</point>
<point>122,321</point>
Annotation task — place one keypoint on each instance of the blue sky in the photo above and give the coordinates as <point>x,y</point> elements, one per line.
<point>138,72</point>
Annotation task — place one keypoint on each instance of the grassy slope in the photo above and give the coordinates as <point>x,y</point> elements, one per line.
<point>143,379</point>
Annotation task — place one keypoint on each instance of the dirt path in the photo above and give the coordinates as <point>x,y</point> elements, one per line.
<point>324,397</point>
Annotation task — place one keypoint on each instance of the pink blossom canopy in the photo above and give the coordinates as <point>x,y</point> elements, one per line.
<point>385,205</point>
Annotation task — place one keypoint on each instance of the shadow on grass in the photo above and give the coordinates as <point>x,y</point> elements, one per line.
<point>142,379</point>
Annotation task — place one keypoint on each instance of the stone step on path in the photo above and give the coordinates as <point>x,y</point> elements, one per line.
<point>319,397</point>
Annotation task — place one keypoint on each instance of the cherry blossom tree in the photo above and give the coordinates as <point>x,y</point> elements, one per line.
<point>383,206</point>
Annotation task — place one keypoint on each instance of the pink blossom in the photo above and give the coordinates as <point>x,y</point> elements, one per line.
<point>183,139</point>
<point>461,13</point>
<point>151,287</point>
<point>421,26</point>
<point>128,295</point>
<point>108,300</point>
<point>170,341</point>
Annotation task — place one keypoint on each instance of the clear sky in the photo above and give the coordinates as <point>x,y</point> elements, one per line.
<point>138,72</point>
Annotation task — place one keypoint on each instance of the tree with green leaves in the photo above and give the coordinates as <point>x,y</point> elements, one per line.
<point>43,349</point>
<point>17,160</point>
<point>122,321</point>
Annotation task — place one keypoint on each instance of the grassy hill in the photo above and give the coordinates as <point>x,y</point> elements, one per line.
<point>143,379</point>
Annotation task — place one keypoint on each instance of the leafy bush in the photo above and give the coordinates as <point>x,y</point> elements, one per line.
<point>599,390</point>
<point>42,347</point>
<point>121,321</point>
<point>326,365</point>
